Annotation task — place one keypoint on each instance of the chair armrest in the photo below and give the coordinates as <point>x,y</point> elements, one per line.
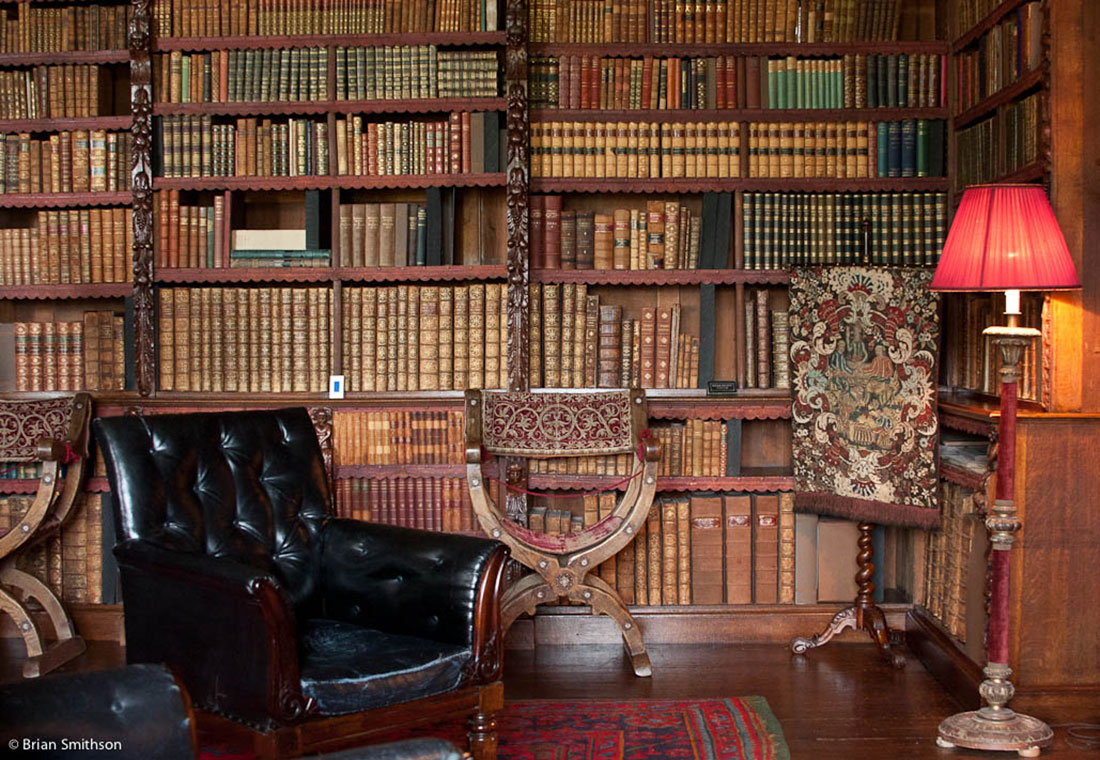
<point>439,586</point>
<point>142,708</point>
<point>239,618</point>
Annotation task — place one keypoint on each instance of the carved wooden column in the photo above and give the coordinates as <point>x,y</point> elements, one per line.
<point>141,176</point>
<point>518,174</point>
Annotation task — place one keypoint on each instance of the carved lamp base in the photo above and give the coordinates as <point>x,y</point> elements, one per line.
<point>1010,732</point>
<point>996,727</point>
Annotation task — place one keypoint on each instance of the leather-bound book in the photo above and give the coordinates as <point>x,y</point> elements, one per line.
<point>763,340</point>
<point>655,234</point>
<point>608,569</point>
<point>707,556</point>
<point>786,548</point>
<point>738,563</point>
<point>653,554</point>
<point>568,249</point>
<point>765,548</point>
<point>609,346</point>
<point>641,565</point>
<point>534,345</point>
<point>476,336</point>
<point>683,549</point>
<point>586,255</point>
<point>568,326</point>
<point>648,351</point>
<point>537,232</point>
<point>670,589</point>
<point>603,241</point>
<point>591,340</point>
<point>551,241</point>
<point>580,324</point>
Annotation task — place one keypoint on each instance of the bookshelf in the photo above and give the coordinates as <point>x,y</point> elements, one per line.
<point>1055,546</point>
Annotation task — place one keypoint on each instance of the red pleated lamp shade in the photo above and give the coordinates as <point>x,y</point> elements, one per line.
<point>1005,237</point>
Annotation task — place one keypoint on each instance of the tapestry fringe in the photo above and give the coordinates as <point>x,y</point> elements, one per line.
<point>878,512</point>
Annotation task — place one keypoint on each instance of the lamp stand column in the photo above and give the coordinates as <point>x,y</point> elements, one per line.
<point>996,726</point>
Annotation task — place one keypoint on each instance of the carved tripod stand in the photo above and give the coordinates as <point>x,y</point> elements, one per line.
<point>863,614</point>
<point>52,432</point>
<point>545,425</point>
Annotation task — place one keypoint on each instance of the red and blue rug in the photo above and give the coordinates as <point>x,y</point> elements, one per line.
<point>735,728</point>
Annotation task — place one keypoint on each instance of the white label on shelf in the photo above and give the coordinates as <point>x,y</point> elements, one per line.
<point>335,386</point>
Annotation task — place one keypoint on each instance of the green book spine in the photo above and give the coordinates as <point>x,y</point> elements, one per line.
<point>791,80</point>
<point>747,241</point>
<point>872,81</point>
<point>773,85</point>
<point>895,229</point>
<point>903,80</point>
<point>908,231</point>
<point>882,145</point>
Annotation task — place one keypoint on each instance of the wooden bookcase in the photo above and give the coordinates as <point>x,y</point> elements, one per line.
<point>1056,547</point>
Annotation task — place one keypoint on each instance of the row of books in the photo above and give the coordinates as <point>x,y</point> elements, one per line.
<point>238,18</point>
<point>69,246</point>
<point>194,146</point>
<point>1004,54</point>
<point>981,157</point>
<point>781,230</point>
<point>611,464</point>
<point>398,437</point>
<point>426,337</point>
<point>699,549</point>
<point>66,162</point>
<point>189,235</point>
<point>635,150</point>
<point>59,29</point>
<point>467,142</point>
<point>579,342</point>
<point>663,235</point>
<point>231,76</point>
<point>19,471</point>
<point>695,448</point>
<point>440,504</point>
<point>69,356</point>
<point>970,360</point>
<point>259,340</point>
<point>383,234</point>
<point>847,150</point>
<point>696,21</point>
<point>70,561</point>
<point>51,92</point>
<point>947,556</point>
<point>415,71</point>
<point>851,81</point>
<point>967,13</point>
<point>767,335</point>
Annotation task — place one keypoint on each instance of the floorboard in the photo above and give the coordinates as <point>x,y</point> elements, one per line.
<point>840,702</point>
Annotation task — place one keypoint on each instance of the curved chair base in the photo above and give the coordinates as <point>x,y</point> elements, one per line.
<point>41,658</point>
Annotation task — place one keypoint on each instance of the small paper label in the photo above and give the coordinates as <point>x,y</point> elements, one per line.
<point>335,386</point>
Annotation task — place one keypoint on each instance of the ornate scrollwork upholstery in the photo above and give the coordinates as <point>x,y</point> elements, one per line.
<point>555,424</point>
<point>52,432</point>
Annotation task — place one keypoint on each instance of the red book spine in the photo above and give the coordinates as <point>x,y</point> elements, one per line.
<point>731,82</point>
<point>537,230</point>
<point>551,225</point>
<point>585,84</point>
<point>647,80</point>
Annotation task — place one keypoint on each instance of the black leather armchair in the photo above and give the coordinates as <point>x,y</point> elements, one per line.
<point>316,632</point>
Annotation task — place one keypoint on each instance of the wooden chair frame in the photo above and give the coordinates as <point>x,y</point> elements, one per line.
<point>52,431</point>
<point>563,564</point>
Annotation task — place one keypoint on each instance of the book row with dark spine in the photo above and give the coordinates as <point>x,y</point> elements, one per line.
<point>852,81</point>
<point>696,21</point>
<point>70,560</point>
<point>848,149</point>
<point>793,229</point>
<point>51,92</point>
<point>428,337</point>
<point>240,18</point>
<point>62,29</point>
<point>415,71</point>
<point>578,341</point>
<point>69,356</point>
<point>662,235</point>
<point>259,340</point>
<point>767,335</point>
<point>1004,54</point>
<point>439,504</point>
<point>194,146</point>
<point>80,161</point>
<point>384,234</point>
<point>231,76</point>
<point>1015,126</point>
<point>398,437</point>
<point>706,548</point>
<point>971,360</point>
<point>946,556</point>
<point>465,143</point>
<point>635,150</point>
<point>68,247</point>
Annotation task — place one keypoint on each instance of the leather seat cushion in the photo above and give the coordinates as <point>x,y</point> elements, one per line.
<point>347,668</point>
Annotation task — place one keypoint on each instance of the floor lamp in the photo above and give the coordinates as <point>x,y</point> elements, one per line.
<point>1003,237</point>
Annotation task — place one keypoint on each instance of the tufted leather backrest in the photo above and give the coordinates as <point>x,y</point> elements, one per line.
<point>247,486</point>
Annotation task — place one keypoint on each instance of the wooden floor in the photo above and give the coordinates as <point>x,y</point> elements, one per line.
<point>839,702</point>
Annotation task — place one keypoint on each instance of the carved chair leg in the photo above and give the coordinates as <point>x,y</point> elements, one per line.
<point>482,725</point>
<point>603,600</point>
<point>523,596</point>
<point>40,659</point>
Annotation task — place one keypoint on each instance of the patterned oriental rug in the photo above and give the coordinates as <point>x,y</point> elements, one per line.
<point>864,354</point>
<point>736,728</point>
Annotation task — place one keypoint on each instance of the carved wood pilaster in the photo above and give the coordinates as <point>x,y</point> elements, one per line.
<point>321,416</point>
<point>141,175</point>
<point>518,172</point>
